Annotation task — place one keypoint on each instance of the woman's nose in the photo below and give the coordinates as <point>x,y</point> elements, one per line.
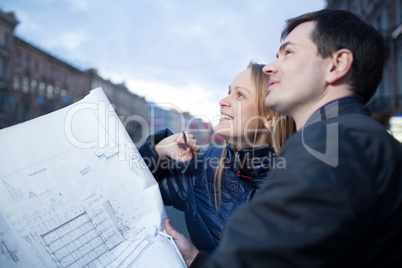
<point>225,101</point>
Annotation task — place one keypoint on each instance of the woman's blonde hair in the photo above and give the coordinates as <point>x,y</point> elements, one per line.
<point>283,127</point>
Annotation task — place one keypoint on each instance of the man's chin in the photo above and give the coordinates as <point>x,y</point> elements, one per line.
<point>268,102</point>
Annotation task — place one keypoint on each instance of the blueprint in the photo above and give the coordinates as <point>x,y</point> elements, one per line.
<point>74,192</point>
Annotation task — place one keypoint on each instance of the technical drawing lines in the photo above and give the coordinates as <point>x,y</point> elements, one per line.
<point>76,243</point>
<point>106,153</point>
<point>13,193</point>
<point>6,251</point>
<point>132,254</point>
<point>114,218</point>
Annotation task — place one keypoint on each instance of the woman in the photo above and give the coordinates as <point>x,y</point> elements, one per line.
<point>210,187</point>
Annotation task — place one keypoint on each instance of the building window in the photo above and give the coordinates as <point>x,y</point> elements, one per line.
<point>3,67</point>
<point>28,62</point>
<point>42,88</point>
<point>399,76</point>
<point>25,85</point>
<point>36,65</point>
<point>64,97</point>
<point>25,115</point>
<point>44,68</point>
<point>2,102</point>
<point>34,86</point>
<point>379,24</point>
<point>49,92</point>
<point>18,58</point>
<point>15,112</point>
<point>400,11</point>
<point>63,93</point>
<point>361,7</point>
<point>6,41</point>
<point>17,82</point>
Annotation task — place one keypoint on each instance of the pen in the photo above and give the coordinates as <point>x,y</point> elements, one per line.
<point>186,143</point>
<point>184,138</point>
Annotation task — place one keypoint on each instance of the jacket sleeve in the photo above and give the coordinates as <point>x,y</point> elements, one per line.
<point>155,163</point>
<point>174,178</point>
<point>305,212</point>
<point>199,260</point>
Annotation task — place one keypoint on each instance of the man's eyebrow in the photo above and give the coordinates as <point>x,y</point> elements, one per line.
<point>283,47</point>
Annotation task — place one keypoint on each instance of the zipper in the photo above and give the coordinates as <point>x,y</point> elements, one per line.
<point>237,166</point>
<point>242,176</point>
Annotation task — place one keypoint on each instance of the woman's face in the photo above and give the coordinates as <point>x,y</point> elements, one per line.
<point>239,112</point>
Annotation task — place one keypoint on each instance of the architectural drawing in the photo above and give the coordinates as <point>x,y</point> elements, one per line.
<point>71,196</point>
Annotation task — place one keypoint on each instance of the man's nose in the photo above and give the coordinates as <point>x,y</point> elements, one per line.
<point>269,68</point>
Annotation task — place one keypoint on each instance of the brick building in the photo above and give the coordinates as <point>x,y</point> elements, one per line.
<point>131,108</point>
<point>386,16</point>
<point>7,25</point>
<point>34,83</point>
<point>41,83</point>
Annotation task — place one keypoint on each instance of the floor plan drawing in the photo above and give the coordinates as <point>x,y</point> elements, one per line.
<point>76,194</point>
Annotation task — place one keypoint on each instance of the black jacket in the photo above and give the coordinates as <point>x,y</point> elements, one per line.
<point>338,203</point>
<point>190,186</point>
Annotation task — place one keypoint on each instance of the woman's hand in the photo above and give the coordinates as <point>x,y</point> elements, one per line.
<point>175,147</point>
<point>187,249</point>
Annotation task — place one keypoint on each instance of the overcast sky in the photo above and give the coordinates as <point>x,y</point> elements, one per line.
<point>181,52</point>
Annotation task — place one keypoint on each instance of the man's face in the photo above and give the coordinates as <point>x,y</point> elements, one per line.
<point>297,76</point>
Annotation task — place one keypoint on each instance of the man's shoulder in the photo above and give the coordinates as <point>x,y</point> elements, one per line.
<point>355,132</point>
<point>364,130</point>
<point>348,124</point>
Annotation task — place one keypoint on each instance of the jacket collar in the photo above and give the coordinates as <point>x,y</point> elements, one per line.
<point>336,108</point>
<point>251,161</point>
<point>259,151</point>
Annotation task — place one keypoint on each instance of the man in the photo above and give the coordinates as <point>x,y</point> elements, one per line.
<point>338,202</point>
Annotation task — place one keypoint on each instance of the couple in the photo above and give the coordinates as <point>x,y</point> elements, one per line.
<point>338,202</point>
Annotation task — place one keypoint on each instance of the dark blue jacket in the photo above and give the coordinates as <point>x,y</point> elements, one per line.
<point>190,186</point>
<point>338,202</point>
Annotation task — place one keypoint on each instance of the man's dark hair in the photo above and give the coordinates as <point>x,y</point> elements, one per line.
<point>338,29</point>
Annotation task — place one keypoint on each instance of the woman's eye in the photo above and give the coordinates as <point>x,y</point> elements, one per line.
<point>287,52</point>
<point>240,95</point>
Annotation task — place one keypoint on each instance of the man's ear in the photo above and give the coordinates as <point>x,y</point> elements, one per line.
<point>340,65</point>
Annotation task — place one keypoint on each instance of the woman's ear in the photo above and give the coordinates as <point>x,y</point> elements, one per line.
<point>269,120</point>
<point>340,65</point>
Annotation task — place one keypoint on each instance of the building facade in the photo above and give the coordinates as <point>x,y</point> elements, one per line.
<point>386,17</point>
<point>131,108</point>
<point>34,83</point>
<point>40,83</point>
<point>163,115</point>
<point>8,22</point>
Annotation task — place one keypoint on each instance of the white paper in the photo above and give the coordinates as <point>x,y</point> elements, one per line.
<point>74,192</point>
